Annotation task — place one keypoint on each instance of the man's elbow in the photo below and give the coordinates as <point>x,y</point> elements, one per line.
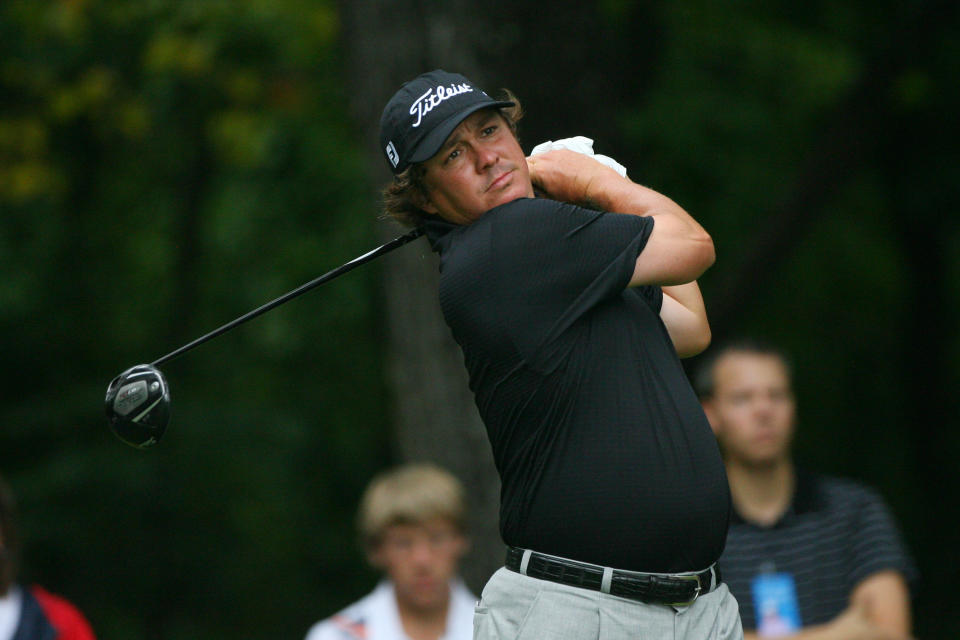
<point>696,342</point>
<point>703,340</point>
<point>707,253</point>
<point>677,261</point>
<point>700,256</point>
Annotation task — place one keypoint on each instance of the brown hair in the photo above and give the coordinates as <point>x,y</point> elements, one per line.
<point>704,381</point>
<point>402,197</point>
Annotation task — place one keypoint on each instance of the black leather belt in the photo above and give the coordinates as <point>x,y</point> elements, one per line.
<point>654,588</point>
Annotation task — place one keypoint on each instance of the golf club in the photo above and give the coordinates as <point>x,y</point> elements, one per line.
<point>138,400</point>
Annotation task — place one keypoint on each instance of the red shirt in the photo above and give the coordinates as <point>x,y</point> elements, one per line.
<point>65,618</point>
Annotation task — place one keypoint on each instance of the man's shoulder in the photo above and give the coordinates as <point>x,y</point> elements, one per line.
<point>530,207</point>
<point>525,223</point>
<point>350,623</point>
<point>339,627</point>
<point>836,492</point>
<point>502,229</point>
<point>816,496</point>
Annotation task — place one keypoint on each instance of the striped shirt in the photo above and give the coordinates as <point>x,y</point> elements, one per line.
<point>834,534</point>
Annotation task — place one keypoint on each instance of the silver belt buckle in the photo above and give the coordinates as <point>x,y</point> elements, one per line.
<point>696,594</point>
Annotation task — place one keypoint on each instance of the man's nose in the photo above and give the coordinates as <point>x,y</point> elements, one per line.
<point>763,406</point>
<point>486,156</point>
<point>422,551</point>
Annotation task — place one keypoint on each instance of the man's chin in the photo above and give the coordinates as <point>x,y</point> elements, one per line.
<point>763,462</point>
<point>428,599</point>
<point>507,197</point>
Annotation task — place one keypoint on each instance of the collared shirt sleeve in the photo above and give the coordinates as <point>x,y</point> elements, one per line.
<point>878,545</point>
<point>552,262</point>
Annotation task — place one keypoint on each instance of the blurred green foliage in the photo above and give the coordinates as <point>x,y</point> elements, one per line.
<point>830,128</point>
<point>166,166</point>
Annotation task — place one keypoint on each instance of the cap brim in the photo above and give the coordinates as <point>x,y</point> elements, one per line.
<point>432,142</point>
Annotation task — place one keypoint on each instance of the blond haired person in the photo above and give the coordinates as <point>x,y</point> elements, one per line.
<point>412,525</point>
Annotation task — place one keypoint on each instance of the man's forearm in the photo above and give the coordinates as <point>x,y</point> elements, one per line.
<point>852,624</point>
<point>675,225</point>
<point>884,599</point>
<point>687,295</point>
<point>621,195</point>
<point>573,177</point>
<point>819,632</point>
<point>685,319</point>
<point>678,250</point>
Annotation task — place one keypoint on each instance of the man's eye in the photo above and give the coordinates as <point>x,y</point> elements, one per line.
<point>453,155</point>
<point>489,130</point>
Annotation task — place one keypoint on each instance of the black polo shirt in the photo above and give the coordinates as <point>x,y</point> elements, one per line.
<point>834,534</point>
<point>604,453</point>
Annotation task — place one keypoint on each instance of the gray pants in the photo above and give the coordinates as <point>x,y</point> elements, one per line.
<point>516,607</point>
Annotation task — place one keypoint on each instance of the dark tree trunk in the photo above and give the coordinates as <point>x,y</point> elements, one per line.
<point>387,43</point>
<point>435,417</point>
<point>918,141</point>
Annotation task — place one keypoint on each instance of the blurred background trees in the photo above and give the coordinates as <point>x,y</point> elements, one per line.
<point>166,166</point>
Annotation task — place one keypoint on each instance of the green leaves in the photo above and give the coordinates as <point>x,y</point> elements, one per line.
<point>164,168</point>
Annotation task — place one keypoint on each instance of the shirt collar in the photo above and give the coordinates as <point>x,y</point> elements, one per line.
<point>806,495</point>
<point>806,498</point>
<point>384,620</point>
<point>10,607</point>
<point>437,230</point>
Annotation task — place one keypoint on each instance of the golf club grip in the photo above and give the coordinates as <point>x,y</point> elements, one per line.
<point>330,275</point>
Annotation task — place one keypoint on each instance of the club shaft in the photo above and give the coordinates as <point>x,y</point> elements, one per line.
<point>316,282</point>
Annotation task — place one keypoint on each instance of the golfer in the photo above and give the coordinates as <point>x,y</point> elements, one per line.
<point>614,501</point>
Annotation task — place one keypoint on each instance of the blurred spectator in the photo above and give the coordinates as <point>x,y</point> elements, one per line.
<point>30,613</point>
<point>412,524</point>
<point>808,556</point>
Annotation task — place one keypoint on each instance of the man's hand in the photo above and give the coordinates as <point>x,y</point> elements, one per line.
<point>676,253</point>
<point>678,250</point>
<point>572,177</point>
<point>853,624</point>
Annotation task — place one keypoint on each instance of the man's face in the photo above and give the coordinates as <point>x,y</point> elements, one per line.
<point>479,167</point>
<point>752,410</point>
<point>420,560</point>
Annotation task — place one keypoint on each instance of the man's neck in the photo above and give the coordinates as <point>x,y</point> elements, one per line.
<point>423,623</point>
<point>762,493</point>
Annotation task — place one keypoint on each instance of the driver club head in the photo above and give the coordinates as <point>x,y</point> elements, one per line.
<point>138,406</point>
